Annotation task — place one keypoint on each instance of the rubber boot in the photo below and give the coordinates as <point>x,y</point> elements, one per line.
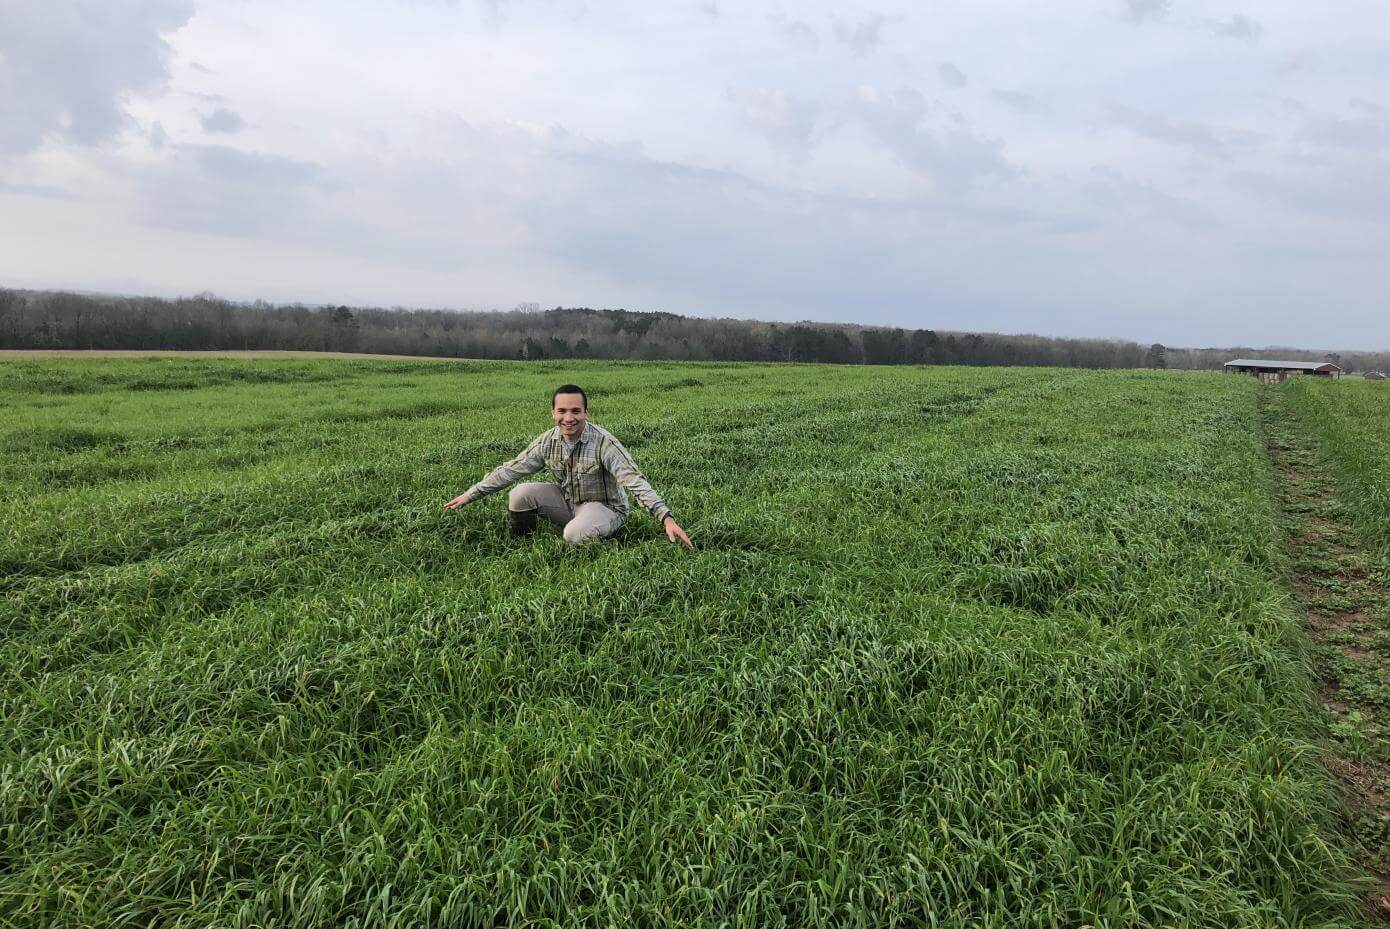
<point>523,522</point>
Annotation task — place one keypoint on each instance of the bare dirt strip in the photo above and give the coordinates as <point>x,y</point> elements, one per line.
<point>20,353</point>
<point>1345,596</point>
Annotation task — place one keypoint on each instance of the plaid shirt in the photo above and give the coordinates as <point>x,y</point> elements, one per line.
<point>595,469</point>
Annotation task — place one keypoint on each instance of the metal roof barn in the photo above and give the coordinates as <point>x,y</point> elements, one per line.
<point>1271,371</point>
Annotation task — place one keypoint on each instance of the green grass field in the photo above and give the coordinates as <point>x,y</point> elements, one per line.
<point>1351,421</point>
<point>957,647</point>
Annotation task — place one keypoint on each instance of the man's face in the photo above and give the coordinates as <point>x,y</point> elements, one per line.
<point>570,414</point>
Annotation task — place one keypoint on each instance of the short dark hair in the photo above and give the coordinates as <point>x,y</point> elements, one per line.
<point>569,389</point>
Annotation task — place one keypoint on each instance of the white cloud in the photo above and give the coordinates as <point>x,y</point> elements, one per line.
<point>787,122</point>
<point>66,66</point>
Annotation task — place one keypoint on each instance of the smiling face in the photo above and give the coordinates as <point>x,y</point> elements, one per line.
<point>570,413</point>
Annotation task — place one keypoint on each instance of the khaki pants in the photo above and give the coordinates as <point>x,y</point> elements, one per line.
<point>587,522</point>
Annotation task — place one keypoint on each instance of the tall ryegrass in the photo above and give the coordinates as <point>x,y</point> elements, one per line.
<point>957,647</point>
<point>1350,420</point>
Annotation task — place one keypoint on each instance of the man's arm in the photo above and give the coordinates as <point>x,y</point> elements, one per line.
<point>620,464</point>
<point>528,462</point>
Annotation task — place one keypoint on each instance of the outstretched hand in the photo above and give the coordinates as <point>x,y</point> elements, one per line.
<point>674,531</point>
<point>461,500</point>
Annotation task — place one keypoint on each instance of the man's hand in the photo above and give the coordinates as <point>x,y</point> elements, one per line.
<point>461,500</point>
<point>674,531</point>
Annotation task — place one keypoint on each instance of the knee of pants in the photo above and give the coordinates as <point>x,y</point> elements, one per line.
<point>521,498</point>
<point>577,534</point>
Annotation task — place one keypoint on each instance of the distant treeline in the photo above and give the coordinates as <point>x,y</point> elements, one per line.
<point>61,320</point>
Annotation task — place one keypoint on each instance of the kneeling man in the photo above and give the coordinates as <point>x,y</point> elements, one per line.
<point>592,471</point>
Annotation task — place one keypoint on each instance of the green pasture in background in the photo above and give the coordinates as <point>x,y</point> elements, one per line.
<point>957,647</point>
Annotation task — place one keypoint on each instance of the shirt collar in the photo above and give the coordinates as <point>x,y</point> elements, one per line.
<point>586,436</point>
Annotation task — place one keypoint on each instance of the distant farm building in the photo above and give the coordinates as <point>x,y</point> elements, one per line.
<point>1376,376</point>
<point>1272,372</point>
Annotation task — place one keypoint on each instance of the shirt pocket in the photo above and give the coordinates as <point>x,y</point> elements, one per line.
<point>589,474</point>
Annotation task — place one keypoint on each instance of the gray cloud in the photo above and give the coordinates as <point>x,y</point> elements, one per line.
<point>632,230</point>
<point>222,120</point>
<point>35,190</point>
<point>219,162</point>
<point>1139,10</point>
<point>1134,201</point>
<point>1359,192</point>
<point>222,190</point>
<point>1239,27</point>
<point>71,64</point>
<point>1369,132</point>
<point>952,75</point>
<point>686,226</point>
<point>1365,106</point>
<point>1195,136</point>
<point>785,121</point>
<point>1024,103</point>
<point>494,12</point>
<point>796,31</point>
<point>953,157</point>
<point>1292,64</point>
<point>862,37</point>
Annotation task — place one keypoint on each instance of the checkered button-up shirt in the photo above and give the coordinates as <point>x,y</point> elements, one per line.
<point>594,469</point>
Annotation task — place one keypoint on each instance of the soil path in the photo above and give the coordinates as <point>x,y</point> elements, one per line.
<point>1344,597</point>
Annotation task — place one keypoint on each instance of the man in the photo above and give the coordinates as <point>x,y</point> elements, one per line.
<point>592,471</point>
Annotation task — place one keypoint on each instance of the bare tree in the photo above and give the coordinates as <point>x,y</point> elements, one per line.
<point>41,319</point>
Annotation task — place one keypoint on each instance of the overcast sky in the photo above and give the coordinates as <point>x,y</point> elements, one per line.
<point>1183,171</point>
